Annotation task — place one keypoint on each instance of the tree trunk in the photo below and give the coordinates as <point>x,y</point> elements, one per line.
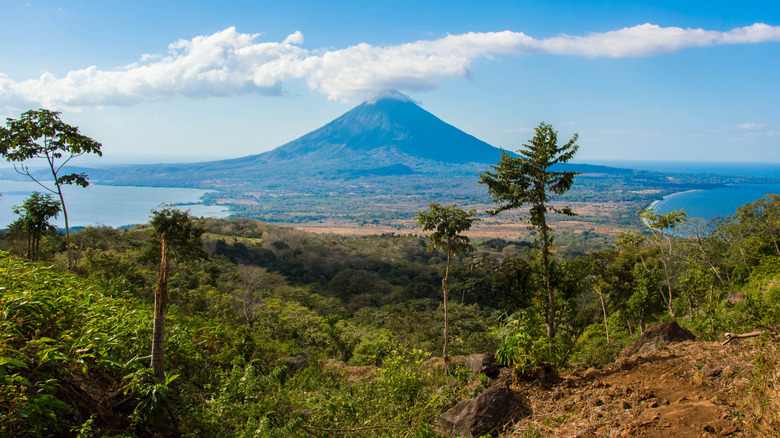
<point>160,306</point>
<point>550,318</point>
<point>67,228</point>
<point>445,351</point>
<point>604,309</point>
<point>669,289</point>
<point>178,279</point>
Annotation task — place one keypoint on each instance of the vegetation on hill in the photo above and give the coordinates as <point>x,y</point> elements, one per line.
<point>207,327</point>
<point>363,312</point>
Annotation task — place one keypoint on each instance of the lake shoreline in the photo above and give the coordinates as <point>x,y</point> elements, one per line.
<point>710,203</point>
<point>109,205</point>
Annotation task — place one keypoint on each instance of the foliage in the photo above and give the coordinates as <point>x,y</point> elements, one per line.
<point>449,222</point>
<point>42,135</point>
<point>525,346</point>
<point>34,215</point>
<point>56,331</point>
<point>74,351</point>
<point>529,179</point>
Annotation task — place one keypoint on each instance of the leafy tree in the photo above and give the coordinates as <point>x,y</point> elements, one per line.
<point>449,222</point>
<point>529,179</point>
<point>177,233</point>
<point>762,218</point>
<point>34,215</point>
<point>663,227</point>
<point>706,248</point>
<point>42,135</point>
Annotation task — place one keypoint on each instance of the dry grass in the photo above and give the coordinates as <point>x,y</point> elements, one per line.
<point>763,399</point>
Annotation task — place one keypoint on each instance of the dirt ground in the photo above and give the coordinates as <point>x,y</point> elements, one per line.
<point>688,389</point>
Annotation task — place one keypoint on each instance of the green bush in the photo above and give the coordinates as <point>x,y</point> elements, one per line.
<point>525,345</point>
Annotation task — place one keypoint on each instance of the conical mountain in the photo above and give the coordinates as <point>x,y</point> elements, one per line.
<point>389,130</point>
<point>384,137</point>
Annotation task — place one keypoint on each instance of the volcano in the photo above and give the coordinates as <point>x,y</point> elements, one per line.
<point>389,135</point>
<point>385,158</point>
<point>393,130</point>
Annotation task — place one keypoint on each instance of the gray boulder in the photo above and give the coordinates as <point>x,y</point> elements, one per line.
<point>482,415</point>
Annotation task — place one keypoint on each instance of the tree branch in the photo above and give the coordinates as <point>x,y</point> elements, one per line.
<point>26,171</point>
<point>731,336</point>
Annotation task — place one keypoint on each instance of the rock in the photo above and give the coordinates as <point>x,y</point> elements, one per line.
<point>484,363</point>
<point>591,373</point>
<point>481,415</point>
<point>667,332</point>
<point>545,374</point>
<point>711,371</point>
<point>299,362</point>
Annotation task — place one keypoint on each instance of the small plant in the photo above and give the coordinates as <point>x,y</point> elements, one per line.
<point>525,345</point>
<point>153,409</point>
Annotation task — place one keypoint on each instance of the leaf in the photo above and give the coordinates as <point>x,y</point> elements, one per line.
<point>49,400</point>
<point>13,362</point>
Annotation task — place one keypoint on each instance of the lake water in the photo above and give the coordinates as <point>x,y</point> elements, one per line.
<point>707,204</point>
<point>114,206</point>
<point>121,205</point>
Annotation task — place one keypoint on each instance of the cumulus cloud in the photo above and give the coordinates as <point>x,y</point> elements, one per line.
<point>231,63</point>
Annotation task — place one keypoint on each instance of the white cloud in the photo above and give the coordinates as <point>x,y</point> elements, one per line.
<point>230,63</point>
<point>751,126</point>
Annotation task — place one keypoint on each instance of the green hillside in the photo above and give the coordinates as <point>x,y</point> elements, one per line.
<point>364,314</point>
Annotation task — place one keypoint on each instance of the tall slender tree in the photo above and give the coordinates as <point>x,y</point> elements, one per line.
<point>448,222</point>
<point>42,135</point>
<point>663,228</point>
<point>175,232</point>
<point>528,179</point>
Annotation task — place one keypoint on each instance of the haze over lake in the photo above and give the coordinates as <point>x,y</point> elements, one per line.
<point>114,206</point>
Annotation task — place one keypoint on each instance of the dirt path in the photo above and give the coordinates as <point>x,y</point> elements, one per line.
<point>689,389</point>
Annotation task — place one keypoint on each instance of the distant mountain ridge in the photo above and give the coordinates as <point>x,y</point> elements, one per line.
<point>387,136</point>
<point>380,162</point>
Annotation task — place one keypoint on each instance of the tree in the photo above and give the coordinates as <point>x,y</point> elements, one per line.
<point>177,233</point>
<point>449,222</point>
<point>42,135</point>
<point>528,179</point>
<point>663,227</point>
<point>34,215</point>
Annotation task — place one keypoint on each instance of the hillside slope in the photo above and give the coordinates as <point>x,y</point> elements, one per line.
<point>688,389</point>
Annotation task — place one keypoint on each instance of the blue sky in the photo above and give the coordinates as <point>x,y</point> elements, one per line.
<point>194,80</point>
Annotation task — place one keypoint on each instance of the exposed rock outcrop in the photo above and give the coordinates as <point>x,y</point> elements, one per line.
<point>650,339</point>
<point>482,415</point>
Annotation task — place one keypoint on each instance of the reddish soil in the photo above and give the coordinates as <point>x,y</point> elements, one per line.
<point>688,389</point>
